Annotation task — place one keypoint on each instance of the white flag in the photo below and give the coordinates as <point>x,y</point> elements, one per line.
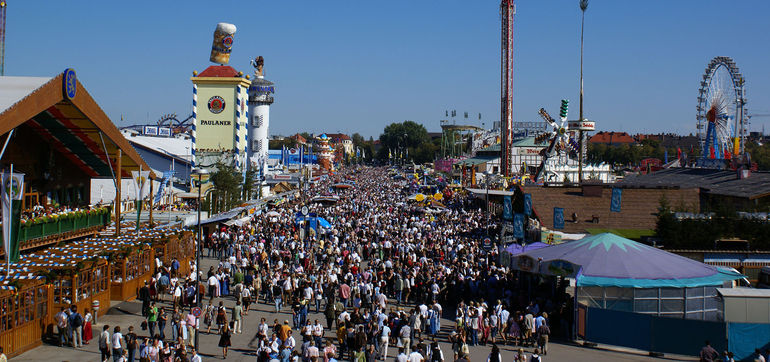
<point>140,180</point>
<point>12,189</point>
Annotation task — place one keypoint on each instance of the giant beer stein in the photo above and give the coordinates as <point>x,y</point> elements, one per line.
<point>223,43</point>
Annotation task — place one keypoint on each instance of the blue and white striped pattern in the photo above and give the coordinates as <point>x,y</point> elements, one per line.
<point>246,133</point>
<point>195,121</point>
<point>238,127</point>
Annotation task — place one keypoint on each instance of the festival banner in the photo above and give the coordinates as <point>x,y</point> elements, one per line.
<point>528,204</point>
<point>507,208</point>
<point>518,226</point>
<point>12,190</point>
<point>140,180</point>
<point>558,218</point>
<point>616,199</point>
<point>167,175</point>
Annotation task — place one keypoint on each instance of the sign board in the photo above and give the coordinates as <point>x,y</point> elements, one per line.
<point>164,131</point>
<point>584,125</point>
<point>197,312</point>
<point>150,130</point>
<point>305,210</point>
<point>487,244</point>
<point>529,151</point>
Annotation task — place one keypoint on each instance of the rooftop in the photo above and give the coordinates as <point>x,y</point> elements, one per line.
<point>15,89</point>
<point>716,182</point>
<point>611,138</point>
<point>221,71</point>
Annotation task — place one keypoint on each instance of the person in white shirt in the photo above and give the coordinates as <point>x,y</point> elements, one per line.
<point>402,357</point>
<point>117,342</point>
<point>415,356</point>
<point>384,340</point>
<point>195,357</point>
<point>318,333</point>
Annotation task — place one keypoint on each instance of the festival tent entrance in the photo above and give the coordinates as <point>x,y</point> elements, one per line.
<point>616,273</point>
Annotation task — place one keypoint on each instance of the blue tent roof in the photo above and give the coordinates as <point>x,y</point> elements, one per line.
<point>516,249</point>
<point>610,260</point>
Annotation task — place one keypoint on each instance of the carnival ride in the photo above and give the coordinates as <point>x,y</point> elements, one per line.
<point>559,158</point>
<point>558,138</point>
<point>721,113</point>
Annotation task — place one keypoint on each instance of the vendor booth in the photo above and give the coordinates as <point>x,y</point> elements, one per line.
<point>634,295</point>
<point>25,311</point>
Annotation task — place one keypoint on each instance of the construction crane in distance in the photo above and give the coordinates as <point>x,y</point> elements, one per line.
<point>2,36</point>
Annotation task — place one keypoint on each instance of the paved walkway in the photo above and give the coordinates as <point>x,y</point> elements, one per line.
<point>128,314</point>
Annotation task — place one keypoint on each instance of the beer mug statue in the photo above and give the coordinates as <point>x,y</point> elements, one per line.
<point>223,43</point>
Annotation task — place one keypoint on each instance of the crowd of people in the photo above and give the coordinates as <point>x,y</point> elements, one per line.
<point>383,273</point>
<point>386,279</point>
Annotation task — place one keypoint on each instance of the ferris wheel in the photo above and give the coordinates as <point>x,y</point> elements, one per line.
<point>721,110</point>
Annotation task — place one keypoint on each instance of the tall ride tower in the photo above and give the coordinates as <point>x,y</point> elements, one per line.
<point>507,10</point>
<point>260,99</point>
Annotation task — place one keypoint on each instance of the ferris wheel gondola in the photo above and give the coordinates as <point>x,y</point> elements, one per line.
<point>721,111</point>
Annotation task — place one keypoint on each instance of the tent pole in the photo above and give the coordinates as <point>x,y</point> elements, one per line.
<point>7,139</point>
<point>118,179</point>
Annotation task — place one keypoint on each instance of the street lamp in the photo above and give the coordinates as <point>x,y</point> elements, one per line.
<point>200,172</point>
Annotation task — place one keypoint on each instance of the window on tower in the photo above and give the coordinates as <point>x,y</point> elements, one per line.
<point>257,121</point>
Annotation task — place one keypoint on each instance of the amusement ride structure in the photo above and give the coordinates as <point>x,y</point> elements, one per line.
<point>721,114</point>
<point>559,159</point>
<point>507,11</point>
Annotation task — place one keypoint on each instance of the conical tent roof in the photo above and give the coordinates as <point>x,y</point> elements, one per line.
<point>610,260</point>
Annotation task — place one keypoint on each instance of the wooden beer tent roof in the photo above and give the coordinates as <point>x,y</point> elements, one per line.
<point>66,116</point>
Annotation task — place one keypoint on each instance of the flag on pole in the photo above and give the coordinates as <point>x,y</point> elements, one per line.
<point>140,181</point>
<point>12,190</point>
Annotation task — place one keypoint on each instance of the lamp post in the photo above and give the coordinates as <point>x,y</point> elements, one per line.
<point>199,172</point>
<point>487,175</point>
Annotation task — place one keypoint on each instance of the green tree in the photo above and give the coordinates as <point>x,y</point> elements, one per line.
<point>227,186</point>
<point>407,135</point>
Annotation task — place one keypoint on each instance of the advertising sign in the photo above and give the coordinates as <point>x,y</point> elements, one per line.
<point>558,218</point>
<point>518,226</point>
<point>507,208</point>
<point>616,199</point>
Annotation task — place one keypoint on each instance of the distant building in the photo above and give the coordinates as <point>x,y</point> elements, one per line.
<point>299,139</point>
<point>612,138</point>
<point>343,140</point>
<point>671,140</point>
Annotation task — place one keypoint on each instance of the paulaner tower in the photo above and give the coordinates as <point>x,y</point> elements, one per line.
<point>260,99</point>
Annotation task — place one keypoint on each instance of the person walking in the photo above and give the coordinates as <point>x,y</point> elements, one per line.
<point>117,344</point>
<point>191,323</point>
<point>131,344</point>
<point>494,355</point>
<point>162,319</point>
<point>384,340</point>
<point>88,333</point>
<point>75,320</point>
<point>152,318</point>
<point>224,340</point>
<point>237,318</point>
<point>104,343</point>
<point>543,333</point>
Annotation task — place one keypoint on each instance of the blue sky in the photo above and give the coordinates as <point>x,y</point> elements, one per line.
<point>356,66</point>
